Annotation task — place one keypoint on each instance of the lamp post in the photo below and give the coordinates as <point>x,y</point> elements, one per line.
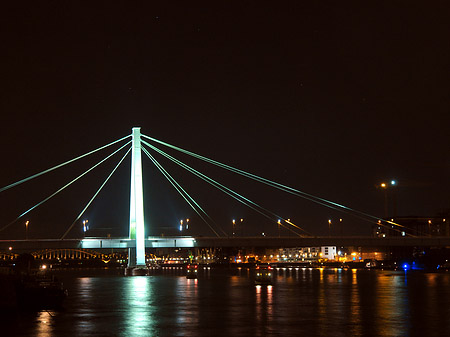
<point>26,229</point>
<point>329,227</point>
<point>386,187</point>
<point>85,227</point>
<point>279,225</point>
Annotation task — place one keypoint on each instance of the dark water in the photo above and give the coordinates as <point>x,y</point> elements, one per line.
<point>301,302</point>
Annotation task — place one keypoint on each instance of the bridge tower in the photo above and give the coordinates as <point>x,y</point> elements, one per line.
<point>136,255</point>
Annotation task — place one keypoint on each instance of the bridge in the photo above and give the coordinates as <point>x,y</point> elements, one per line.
<point>214,242</point>
<point>137,242</point>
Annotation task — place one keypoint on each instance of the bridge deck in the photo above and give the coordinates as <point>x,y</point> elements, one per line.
<point>268,242</point>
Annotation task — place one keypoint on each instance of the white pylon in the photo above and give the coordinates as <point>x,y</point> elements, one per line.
<point>136,257</point>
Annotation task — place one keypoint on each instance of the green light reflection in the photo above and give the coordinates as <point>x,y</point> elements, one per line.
<point>139,318</point>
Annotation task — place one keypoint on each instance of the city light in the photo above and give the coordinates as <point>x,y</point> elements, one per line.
<point>386,185</point>
<point>85,225</point>
<point>26,229</point>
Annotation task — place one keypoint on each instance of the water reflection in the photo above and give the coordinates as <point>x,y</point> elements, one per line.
<point>85,293</point>
<point>391,305</point>
<point>321,306</point>
<point>46,321</point>
<point>139,306</point>
<point>319,302</point>
<point>355,309</point>
<point>264,309</point>
<point>186,291</point>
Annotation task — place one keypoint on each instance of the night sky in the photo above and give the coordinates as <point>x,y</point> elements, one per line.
<point>331,98</point>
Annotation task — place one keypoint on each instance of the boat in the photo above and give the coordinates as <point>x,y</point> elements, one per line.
<point>192,271</point>
<point>263,274</point>
<point>39,292</point>
<point>27,285</point>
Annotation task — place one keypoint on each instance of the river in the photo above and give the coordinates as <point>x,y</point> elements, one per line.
<point>225,302</point>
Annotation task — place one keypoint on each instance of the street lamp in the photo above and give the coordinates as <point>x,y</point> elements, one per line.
<point>329,227</point>
<point>279,225</point>
<point>386,186</point>
<point>26,229</point>
<point>85,227</point>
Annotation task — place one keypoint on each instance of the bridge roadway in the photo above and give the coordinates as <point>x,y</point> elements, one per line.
<point>211,242</point>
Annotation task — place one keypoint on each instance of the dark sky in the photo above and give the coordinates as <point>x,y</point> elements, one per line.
<point>329,98</point>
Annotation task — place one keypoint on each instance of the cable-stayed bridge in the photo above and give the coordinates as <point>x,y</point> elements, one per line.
<point>137,241</point>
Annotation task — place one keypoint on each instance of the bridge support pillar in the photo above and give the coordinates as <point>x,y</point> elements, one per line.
<point>136,256</point>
